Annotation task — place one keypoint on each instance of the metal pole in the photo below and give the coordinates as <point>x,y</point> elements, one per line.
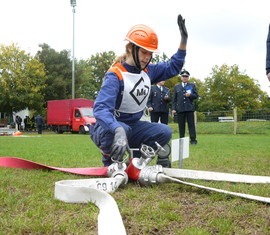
<point>181,152</point>
<point>235,121</point>
<point>73,59</point>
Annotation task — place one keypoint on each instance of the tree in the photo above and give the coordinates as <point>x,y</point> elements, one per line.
<point>170,83</point>
<point>93,71</point>
<point>200,90</point>
<point>58,68</point>
<point>265,99</point>
<point>227,88</point>
<point>22,80</point>
<point>160,58</point>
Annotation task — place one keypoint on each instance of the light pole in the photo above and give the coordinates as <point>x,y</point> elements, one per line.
<point>73,4</point>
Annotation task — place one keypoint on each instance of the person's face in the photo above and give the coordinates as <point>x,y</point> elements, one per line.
<point>184,79</point>
<point>144,57</point>
<point>161,83</point>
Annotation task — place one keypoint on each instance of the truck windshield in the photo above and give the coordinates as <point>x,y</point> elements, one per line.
<point>87,112</point>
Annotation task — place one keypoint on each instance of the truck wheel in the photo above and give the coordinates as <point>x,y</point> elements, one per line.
<point>82,130</point>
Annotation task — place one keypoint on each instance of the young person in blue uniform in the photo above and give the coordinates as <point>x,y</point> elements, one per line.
<point>158,103</point>
<point>184,95</point>
<point>124,93</point>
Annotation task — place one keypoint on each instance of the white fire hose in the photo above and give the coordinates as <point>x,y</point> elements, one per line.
<point>216,176</point>
<point>154,175</point>
<point>97,191</point>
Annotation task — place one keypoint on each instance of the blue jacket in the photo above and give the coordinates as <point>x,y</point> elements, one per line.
<point>156,99</point>
<point>109,96</point>
<point>39,120</point>
<point>181,103</point>
<point>268,52</point>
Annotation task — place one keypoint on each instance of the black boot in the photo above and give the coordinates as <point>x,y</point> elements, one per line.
<point>165,162</point>
<point>164,156</point>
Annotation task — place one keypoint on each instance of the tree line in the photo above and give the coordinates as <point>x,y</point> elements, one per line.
<point>30,81</point>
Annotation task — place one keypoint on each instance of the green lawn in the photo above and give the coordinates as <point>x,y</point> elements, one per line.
<point>27,204</point>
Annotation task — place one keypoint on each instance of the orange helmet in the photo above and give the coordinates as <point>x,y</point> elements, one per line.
<point>143,36</point>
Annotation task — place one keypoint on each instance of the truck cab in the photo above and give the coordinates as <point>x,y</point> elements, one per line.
<point>70,115</point>
<point>81,118</point>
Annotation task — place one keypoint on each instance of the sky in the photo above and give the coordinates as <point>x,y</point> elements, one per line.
<point>220,31</point>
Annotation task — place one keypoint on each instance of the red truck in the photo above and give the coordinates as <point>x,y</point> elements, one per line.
<point>71,115</point>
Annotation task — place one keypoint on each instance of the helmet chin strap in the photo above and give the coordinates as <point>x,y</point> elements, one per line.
<point>135,56</point>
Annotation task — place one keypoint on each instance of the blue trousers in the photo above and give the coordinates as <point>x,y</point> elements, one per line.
<point>138,133</point>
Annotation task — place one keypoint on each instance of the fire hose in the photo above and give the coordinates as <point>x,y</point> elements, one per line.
<point>96,190</point>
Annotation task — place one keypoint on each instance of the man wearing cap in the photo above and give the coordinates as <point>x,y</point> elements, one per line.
<point>184,95</point>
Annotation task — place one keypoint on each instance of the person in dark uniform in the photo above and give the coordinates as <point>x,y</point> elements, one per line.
<point>19,122</point>
<point>26,121</point>
<point>158,103</point>
<point>39,122</point>
<point>184,95</point>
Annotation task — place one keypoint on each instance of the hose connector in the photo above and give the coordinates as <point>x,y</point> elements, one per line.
<point>148,154</point>
<point>150,175</point>
<point>118,171</point>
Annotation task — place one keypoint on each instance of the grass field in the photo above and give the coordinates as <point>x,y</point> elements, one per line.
<point>27,204</point>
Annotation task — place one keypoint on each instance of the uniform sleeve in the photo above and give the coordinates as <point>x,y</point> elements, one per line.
<point>149,102</point>
<point>166,70</point>
<point>104,106</point>
<point>174,98</point>
<point>169,95</point>
<point>194,95</point>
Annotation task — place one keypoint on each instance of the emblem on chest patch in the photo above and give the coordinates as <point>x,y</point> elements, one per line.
<point>140,91</point>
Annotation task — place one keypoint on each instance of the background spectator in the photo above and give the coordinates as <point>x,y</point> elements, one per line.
<point>39,122</point>
<point>158,103</point>
<point>184,94</point>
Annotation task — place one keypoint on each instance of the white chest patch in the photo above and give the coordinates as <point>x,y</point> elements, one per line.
<point>136,92</point>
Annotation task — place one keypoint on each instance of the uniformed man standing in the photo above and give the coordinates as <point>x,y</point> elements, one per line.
<point>184,95</point>
<point>39,122</point>
<point>158,103</point>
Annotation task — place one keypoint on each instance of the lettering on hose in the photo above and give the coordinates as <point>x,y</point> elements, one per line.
<point>102,186</point>
<point>106,186</point>
<point>113,185</point>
